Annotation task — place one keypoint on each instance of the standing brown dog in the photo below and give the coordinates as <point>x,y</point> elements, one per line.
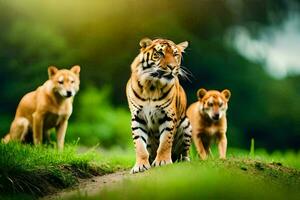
<point>49,106</point>
<point>208,119</point>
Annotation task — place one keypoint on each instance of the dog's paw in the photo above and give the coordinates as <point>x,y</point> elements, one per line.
<point>222,157</point>
<point>161,162</point>
<point>140,167</point>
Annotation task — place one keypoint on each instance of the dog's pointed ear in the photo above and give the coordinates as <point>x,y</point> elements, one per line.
<point>76,69</point>
<point>145,42</point>
<point>52,70</point>
<point>226,94</point>
<point>201,93</point>
<point>183,45</point>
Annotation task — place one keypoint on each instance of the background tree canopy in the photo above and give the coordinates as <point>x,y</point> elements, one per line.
<point>103,37</point>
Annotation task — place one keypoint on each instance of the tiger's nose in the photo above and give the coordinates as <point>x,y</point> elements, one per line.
<point>158,73</point>
<point>171,66</point>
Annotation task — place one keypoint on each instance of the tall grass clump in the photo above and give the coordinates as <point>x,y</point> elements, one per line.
<point>252,148</point>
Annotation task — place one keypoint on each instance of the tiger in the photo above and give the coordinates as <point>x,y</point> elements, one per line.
<point>161,132</point>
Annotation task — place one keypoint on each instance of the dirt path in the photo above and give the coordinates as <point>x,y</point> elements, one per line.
<point>90,186</point>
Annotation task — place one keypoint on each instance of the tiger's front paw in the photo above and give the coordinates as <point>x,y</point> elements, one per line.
<point>185,159</point>
<point>161,162</point>
<point>140,167</point>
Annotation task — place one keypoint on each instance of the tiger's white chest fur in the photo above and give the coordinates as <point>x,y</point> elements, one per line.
<point>152,114</point>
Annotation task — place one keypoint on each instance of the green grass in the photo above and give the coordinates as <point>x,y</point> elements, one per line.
<point>241,176</point>
<point>27,172</point>
<point>116,158</point>
<point>37,171</point>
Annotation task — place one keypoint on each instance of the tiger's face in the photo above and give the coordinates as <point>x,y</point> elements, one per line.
<point>160,60</point>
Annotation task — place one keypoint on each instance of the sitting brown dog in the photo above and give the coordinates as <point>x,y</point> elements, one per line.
<point>208,120</point>
<point>49,106</point>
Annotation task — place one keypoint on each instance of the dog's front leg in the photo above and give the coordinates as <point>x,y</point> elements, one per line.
<point>222,146</point>
<point>164,150</point>
<point>60,134</point>
<point>202,152</point>
<point>38,123</point>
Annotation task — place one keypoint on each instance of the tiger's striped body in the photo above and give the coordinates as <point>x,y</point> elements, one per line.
<point>160,129</point>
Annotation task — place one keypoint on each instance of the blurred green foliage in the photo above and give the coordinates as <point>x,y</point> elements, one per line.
<point>103,36</point>
<point>97,121</point>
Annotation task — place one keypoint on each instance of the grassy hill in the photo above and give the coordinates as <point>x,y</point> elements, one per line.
<point>31,172</point>
<point>36,171</point>
<point>235,178</point>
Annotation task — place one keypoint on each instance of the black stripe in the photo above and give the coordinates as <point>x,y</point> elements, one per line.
<point>169,76</point>
<point>147,66</point>
<point>163,87</point>
<point>168,103</point>
<point>181,121</point>
<point>186,126</point>
<point>139,120</point>
<point>187,135</point>
<point>169,129</point>
<point>140,85</point>
<point>164,95</point>
<point>144,139</point>
<point>166,118</point>
<point>148,54</point>
<point>137,137</point>
<point>147,60</point>
<point>134,105</point>
<point>166,129</point>
<point>135,128</point>
<point>137,96</point>
<point>165,104</point>
<point>137,107</point>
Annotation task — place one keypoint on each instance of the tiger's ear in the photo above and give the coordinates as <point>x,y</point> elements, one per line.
<point>145,42</point>
<point>201,93</point>
<point>183,45</point>
<point>76,69</point>
<point>226,94</point>
<point>52,70</point>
